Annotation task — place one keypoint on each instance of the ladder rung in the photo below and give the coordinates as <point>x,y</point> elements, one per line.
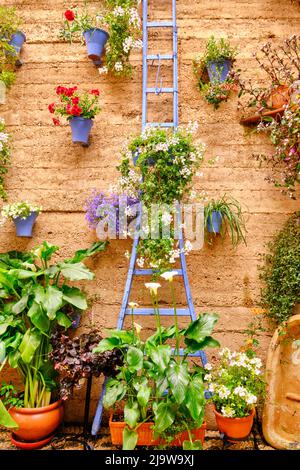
<point>149,272</point>
<point>160,90</point>
<point>160,56</point>
<point>182,353</point>
<point>160,24</point>
<point>160,124</point>
<point>167,312</point>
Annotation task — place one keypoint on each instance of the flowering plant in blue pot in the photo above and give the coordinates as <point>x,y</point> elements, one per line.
<point>11,40</point>
<point>79,110</point>
<point>225,216</point>
<point>23,214</point>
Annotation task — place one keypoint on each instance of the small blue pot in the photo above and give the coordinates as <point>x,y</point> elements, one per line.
<point>81,128</point>
<point>218,71</point>
<point>17,41</point>
<point>24,226</point>
<point>214,223</point>
<point>95,39</point>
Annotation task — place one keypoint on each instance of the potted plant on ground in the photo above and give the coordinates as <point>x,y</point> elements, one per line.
<point>4,157</point>
<point>160,394</point>
<point>36,296</point>
<point>122,22</point>
<point>236,385</point>
<point>281,67</point>
<point>225,216</point>
<point>23,214</point>
<point>79,110</point>
<point>11,41</point>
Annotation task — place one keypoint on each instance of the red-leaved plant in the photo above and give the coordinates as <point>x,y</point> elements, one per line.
<point>72,104</point>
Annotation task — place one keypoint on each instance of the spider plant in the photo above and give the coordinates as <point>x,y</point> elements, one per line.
<point>225,216</point>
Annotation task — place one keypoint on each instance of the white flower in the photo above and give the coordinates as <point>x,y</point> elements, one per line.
<point>138,328</point>
<point>240,391</point>
<point>227,411</point>
<point>102,70</point>
<point>118,66</point>
<point>251,399</point>
<point>208,366</point>
<point>223,392</point>
<point>1,146</point>
<point>211,388</point>
<point>127,254</point>
<point>133,304</point>
<point>118,11</point>
<point>166,218</point>
<point>3,137</point>
<point>188,246</point>
<point>152,286</point>
<point>207,377</point>
<point>140,262</point>
<point>168,276</point>
<point>127,44</point>
<point>161,147</point>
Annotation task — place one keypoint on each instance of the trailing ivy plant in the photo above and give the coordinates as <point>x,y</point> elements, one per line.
<point>9,25</point>
<point>4,157</point>
<point>36,297</point>
<point>281,272</point>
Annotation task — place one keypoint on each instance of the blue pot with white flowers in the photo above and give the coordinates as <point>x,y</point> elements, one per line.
<point>95,39</point>
<point>218,70</point>
<point>81,128</point>
<point>214,222</point>
<point>24,226</point>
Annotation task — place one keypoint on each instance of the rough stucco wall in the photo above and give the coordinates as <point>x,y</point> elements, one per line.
<point>48,169</point>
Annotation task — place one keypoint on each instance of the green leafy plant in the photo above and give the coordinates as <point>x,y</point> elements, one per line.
<point>215,93</point>
<point>281,273</point>
<point>73,104</point>
<point>155,384</point>
<point>10,396</point>
<point>218,50</point>
<point>20,209</point>
<point>232,218</point>
<point>35,297</point>
<point>121,20</point>
<point>5,152</point>
<point>9,25</point>
<point>236,383</point>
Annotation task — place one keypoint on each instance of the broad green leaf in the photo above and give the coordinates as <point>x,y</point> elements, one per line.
<point>6,280</point>
<point>13,359</point>
<point>2,351</point>
<point>5,418</point>
<point>80,255</point>
<point>130,438</point>
<point>20,305</point>
<point>63,320</point>
<point>75,297</point>
<point>48,373</point>
<point>13,342</point>
<point>38,317</point>
<point>3,294</point>
<point>106,344</point>
<point>160,355</point>
<point>125,336</point>
<point>131,414</point>
<point>115,391</point>
<point>165,333</point>
<point>194,346</point>
<point>143,395</point>
<point>195,399</point>
<point>164,416</point>
<point>30,342</point>
<point>24,274</point>
<point>47,250</point>
<point>178,378</point>
<point>188,445</point>
<point>53,301</point>
<point>201,327</point>
<point>75,271</point>
<point>134,359</point>
<point>9,321</point>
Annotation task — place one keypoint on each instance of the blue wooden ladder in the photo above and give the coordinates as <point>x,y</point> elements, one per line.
<point>133,271</point>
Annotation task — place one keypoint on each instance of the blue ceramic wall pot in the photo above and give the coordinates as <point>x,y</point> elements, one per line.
<point>24,226</point>
<point>218,70</point>
<point>81,128</point>
<point>214,222</point>
<point>95,39</point>
<point>17,41</point>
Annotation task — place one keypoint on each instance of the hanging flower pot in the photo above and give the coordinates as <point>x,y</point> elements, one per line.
<point>218,70</point>
<point>81,128</point>
<point>214,222</point>
<point>95,39</point>
<point>24,226</point>
<point>17,41</point>
<point>235,428</point>
<point>36,425</point>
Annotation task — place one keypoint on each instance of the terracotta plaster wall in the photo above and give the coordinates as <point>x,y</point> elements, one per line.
<point>49,170</point>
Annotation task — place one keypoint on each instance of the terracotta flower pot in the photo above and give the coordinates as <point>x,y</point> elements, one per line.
<point>235,428</point>
<point>279,97</point>
<point>145,433</point>
<point>197,435</point>
<point>35,424</point>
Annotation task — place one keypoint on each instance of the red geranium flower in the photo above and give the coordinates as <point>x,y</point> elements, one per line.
<point>70,15</point>
<point>95,92</point>
<point>51,108</point>
<point>56,122</point>
<point>75,100</point>
<point>76,110</point>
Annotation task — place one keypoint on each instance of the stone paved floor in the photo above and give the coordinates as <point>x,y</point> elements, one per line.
<point>64,442</point>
